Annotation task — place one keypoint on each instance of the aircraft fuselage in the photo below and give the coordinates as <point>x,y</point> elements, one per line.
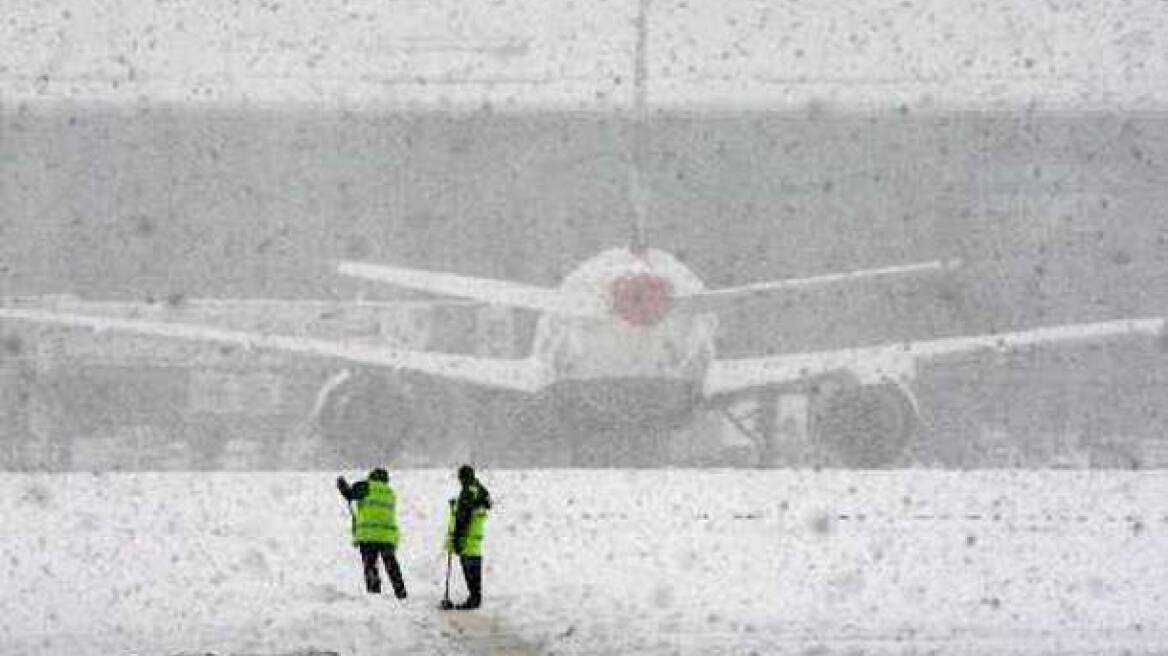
<point>643,338</point>
<point>642,366</point>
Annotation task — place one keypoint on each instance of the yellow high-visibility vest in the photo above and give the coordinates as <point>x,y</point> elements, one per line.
<point>376,516</point>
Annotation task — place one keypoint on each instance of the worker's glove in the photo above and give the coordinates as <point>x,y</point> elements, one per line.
<point>342,484</point>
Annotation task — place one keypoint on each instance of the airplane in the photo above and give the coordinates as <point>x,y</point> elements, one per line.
<point>625,347</point>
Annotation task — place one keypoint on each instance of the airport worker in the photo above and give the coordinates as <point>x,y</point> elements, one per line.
<point>465,531</point>
<point>375,530</point>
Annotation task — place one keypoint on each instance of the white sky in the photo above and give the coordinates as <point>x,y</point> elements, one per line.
<point>579,53</point>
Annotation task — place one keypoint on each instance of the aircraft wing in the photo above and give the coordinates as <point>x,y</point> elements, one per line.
<point>487,290</point>
<point>714,300</point>
<point>895,361</point>
<point>522,375</point>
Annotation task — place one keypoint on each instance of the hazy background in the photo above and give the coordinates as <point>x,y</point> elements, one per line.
<point>185,150</point>
<point>1057,217</point>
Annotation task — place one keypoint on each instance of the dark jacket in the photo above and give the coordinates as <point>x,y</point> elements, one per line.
<point>473,496</point>
<point>354,492</point>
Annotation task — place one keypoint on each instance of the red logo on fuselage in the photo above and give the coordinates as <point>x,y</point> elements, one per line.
<point>641,299</point>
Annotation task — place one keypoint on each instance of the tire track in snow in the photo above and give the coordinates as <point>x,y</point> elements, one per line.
<point>488,634</point>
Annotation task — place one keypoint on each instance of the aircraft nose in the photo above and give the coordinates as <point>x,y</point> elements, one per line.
<point>642,299</point>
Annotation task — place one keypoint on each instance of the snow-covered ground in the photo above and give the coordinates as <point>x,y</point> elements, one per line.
<point>689,562</point>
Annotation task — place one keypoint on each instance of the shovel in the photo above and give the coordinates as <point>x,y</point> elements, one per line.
<point>446,603</point>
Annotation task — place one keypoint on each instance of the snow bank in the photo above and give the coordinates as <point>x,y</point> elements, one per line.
<point>592,562</point>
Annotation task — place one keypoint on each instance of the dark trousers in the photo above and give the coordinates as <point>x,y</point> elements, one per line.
<point>472,571</point>
<point>369,554</point>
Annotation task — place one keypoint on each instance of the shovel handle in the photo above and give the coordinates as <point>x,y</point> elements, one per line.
<point>446,594</point>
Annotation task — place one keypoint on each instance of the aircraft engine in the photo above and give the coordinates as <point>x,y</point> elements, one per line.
<point>866,426</point>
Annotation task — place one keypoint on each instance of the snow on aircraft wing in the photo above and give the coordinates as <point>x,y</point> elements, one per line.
<point>488,290</point>
<point>716,299</point>
<point>522,375</point>
<point>894,361</point>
